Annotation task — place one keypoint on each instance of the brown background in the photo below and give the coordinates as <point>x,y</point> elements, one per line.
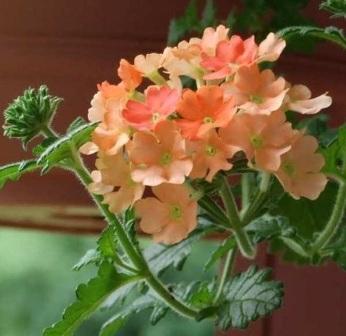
<point>72,45</point>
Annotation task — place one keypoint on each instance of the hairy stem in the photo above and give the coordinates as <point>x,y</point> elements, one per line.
<point>242,238</point>
<point>226,271</point>
<point>135,257</point>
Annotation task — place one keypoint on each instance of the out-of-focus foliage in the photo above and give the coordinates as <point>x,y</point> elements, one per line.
<point>336,7</point>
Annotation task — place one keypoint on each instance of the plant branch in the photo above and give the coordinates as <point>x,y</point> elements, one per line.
<point>242,238</point>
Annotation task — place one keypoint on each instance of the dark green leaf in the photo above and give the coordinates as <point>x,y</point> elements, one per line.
<point>61,148</point>
<point>221,251</point>
<point>208,15</point>
<point>336,7</point>
<point>14,171</point>
<point>89,298</point>
<point>248,297</point>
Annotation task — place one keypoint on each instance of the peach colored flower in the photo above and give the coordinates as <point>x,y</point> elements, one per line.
<point>159,157</point>
<point>171,216</point>
<point>299,172</point>
<point>148,64</point>
<point>129,74</point>
<point>211,38</point>
<point>113,180</point>
<point>112,132</point>
<point>270,48</point>
<point>229,56</point>
<point>159,103</point>
<point>210,155</point>
<point>262,138</point>
<point>255,91</point>
<point>299,100</point>
<point>203,110</point>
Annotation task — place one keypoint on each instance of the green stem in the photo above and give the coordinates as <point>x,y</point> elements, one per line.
<point>250,212</point>
<point>136,258</point>
<point>242,238</point>
<point>334,221</point>
<point>49,132</point>
<point>245,190</point>
<point>227,270</point>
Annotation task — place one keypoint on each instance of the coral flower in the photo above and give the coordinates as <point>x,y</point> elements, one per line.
<point>300,168</point>
<point>211,38</point>
<point>159,103</point>
<point>113,180</point>
<point>171,216</point>
<point>159,157</point>
<point>270,48</point>
<point>255,91</point>
<point>262,138</point>
<point>203,110</point>
<point>230,54</point>
<point>111,133</point>
<point>129,75</point>
<point>299,100</point>
<point>148,64</point>
<point>210,155</point>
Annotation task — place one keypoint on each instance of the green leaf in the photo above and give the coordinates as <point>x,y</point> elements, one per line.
<point>89,297</point>
<point>332,34</point>
<point>336,7</point>
<point>115,323</point>
<point>248,297</point>
<point>227,245</point>
<point>61,148</point>
<point>338,248</point>
<point>78,122</point>
<point>160,257</point>
<point>267,227</point>
<point>92,256</point>
<point>208,15</point>
<point>14,171</point>
<point>106,244</point>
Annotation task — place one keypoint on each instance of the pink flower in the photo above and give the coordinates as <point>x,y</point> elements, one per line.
<point>203,110</point>
<point>270,48</point>
<point>113,180</point>
<point>299,172</point>
<point>255,91</point>
<point>262,138</point>
<point>299,100</point>
<point>159,157</point>
<point>230,55</point>
<point>159,103</point>
<point>210,155</point>
<point>171,216</point>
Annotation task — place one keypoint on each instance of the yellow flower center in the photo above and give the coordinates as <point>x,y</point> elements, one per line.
<point>288,168</point>
<point>155,117</point>
<point>256,141</point>
<point>166,159</point>
<point>210,150</point>
<point>256,99</point>
<point>175,212</point>
<point>208,120</point>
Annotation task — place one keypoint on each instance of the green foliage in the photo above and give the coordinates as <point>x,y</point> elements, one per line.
<point>337,249</point>
<point>332,34</point>
<point>335,156</point>
<point>247,297</point>
<point>14,171</point>
<point>60,150</point>
<point>336,7</point>
<point>89,297</point>
<point>30,114</point>
<point>227,245</point>
<point>91,256</point>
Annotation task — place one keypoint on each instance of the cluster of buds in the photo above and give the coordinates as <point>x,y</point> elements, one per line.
<point>165,134</point>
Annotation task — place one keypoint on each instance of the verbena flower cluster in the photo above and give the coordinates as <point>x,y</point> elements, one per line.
<point>160,136</point>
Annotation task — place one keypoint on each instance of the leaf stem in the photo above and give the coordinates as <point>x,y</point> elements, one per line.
<point>49,132</point>
<point>227,270</point>
<point>245,246</point>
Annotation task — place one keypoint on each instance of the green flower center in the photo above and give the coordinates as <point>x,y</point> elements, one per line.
<point>208,120</point>
<point>210,150</point>
<point>288,168</point>
<point>166,159</point>
<point>256,99</point>
<point>175,212</point>
<point>256,141</point>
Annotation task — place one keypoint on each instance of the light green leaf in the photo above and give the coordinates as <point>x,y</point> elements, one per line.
<point>332,34</point>
<point>248,297</point>
<point>89,298</point>
<point>221,250</point>
<point>106,244</point>
<point>92,256</point>
<point>14,171</point>
<point>61,148</point>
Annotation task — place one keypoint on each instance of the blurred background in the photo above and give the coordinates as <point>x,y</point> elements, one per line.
<point>72,46</point>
